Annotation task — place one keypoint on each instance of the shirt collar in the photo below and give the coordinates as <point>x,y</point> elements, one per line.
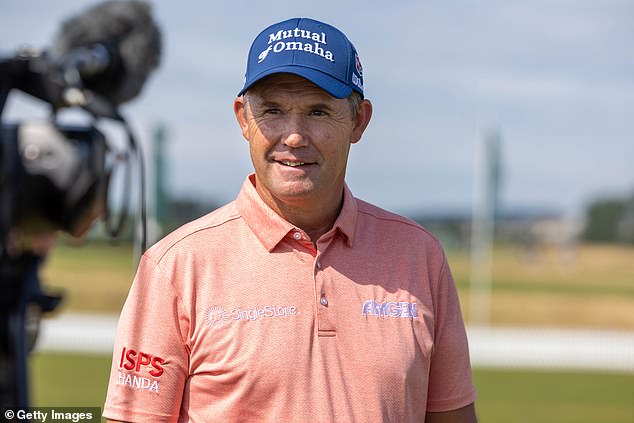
<point>270,228</point>
<point>347,220</point>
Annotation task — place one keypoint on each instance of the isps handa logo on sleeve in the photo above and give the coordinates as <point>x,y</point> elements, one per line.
<point>140,370</point>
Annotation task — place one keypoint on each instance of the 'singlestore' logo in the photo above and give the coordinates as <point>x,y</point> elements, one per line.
<point>143,364</point>
<point>217,316</point>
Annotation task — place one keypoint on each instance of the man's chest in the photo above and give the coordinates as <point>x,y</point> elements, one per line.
<point>299,324</point>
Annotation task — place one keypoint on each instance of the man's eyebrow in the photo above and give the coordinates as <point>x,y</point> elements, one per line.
<point>266,104</point>
<point>321,105</point>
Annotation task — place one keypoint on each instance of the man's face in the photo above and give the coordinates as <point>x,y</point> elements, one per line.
<point>299,138</point>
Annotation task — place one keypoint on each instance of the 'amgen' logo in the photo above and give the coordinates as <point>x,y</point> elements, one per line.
<point>400,309</point>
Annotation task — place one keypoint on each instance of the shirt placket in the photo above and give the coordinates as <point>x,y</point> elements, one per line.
<point>324,292</point>
<point>323,287</point>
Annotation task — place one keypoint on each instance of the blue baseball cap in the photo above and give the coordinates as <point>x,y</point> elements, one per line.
<point>311,49</point>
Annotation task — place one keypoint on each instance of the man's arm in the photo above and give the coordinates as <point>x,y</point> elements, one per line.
<point>462,415</point>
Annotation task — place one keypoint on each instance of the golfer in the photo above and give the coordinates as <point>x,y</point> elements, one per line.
<point>296,302</point>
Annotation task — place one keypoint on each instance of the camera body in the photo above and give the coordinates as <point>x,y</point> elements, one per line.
<point>52,177</point>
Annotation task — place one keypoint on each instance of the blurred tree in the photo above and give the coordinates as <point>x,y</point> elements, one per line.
<point>182,210</point>
<point>606,219</point>
<point>625,227</point>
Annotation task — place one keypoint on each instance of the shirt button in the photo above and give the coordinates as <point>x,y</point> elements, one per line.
<point>323,300</point>
<point>297,236</point>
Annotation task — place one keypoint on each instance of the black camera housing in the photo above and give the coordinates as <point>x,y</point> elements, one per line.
<point>52,176</point>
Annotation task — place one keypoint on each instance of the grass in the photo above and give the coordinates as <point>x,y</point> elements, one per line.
<point>71,380</point>
<point>503,395</point>
<point>589,286</point>
<point>593,269</point>
<point>529,396</point>
<point>95,277</point>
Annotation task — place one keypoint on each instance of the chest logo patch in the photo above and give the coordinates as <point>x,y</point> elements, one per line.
<point>217,316</point>
<point>400,309</point>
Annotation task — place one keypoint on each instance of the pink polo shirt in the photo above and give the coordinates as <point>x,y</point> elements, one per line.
<point>238,317</point>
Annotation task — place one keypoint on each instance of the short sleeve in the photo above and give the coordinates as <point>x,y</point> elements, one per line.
<point>150,358</point>
<point>450,384</point>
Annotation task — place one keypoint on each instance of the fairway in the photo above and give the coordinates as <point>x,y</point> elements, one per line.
<point>547,289</point>
<point>94,277</point>
<point>557,397</point>
<point>503,395</point>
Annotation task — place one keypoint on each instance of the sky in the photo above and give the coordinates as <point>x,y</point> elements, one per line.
<point>555,77</point>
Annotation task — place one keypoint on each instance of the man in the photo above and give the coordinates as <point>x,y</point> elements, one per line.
<point>296,302</point>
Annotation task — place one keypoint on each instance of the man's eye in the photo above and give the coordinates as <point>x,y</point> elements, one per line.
<point>318,113</point>
<point>272,111</point>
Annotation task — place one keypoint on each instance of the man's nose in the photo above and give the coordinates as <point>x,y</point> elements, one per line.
<point>296,133</point>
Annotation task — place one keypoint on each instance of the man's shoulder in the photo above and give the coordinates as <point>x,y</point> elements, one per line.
<point>395,223</point>
<point>191,233</point>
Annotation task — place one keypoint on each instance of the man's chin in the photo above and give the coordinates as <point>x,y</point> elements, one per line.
<point>296,192</point>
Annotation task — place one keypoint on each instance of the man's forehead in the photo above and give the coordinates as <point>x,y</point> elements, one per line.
<point>280,83</point>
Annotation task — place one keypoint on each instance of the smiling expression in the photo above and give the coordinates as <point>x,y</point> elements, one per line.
<point>299,138</point>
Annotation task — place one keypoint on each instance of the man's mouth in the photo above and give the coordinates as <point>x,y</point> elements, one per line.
<point>292,164</point>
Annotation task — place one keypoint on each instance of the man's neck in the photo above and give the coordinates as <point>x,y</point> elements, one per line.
<point>315,218</point>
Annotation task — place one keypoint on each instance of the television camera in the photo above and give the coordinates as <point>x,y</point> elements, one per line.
<point>55,176</point>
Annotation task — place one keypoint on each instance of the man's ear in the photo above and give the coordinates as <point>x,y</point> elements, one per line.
<point>240,110</point>
<point>361,120</point>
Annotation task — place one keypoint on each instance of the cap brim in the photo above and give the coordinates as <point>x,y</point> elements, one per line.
<point>331,85</point>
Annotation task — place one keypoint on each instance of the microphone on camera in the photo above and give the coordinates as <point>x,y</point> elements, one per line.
<point>112,48</point>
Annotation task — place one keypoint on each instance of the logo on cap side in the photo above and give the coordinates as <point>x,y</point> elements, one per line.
<point>277,45</point>
<point>357,63</point>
